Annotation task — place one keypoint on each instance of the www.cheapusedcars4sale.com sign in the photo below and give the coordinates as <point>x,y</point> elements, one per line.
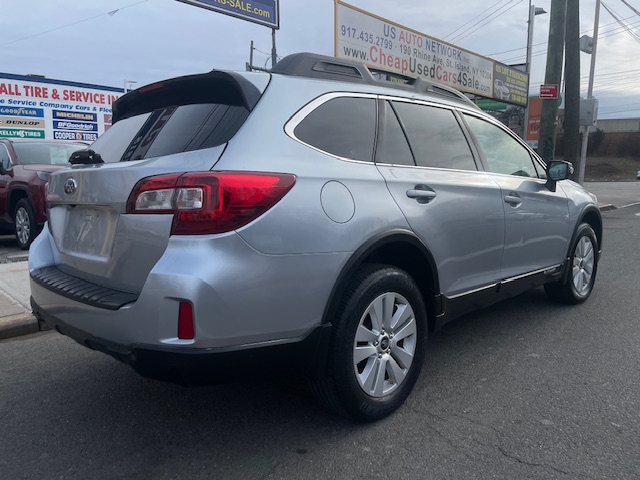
<point>54,109</point>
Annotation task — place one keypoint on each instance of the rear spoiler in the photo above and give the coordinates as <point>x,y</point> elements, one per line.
<point>218,86</point>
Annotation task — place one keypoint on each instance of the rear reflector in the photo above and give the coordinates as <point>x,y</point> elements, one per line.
<point>185,321</point>
<point>209,202</point>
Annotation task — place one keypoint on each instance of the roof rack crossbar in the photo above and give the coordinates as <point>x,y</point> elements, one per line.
<point>312,65</point>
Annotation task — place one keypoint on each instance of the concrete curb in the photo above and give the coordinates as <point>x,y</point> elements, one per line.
<point>607,207</point>
<point>21,324</point>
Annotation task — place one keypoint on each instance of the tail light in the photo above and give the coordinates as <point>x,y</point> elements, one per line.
<point>209,202</point>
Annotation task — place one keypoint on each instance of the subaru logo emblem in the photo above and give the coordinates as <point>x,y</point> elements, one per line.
<point>70,186</point>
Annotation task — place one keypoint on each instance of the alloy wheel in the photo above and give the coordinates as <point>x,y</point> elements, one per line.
<point>23,225</point>
<point>583,265</point>
<point>385,344</point>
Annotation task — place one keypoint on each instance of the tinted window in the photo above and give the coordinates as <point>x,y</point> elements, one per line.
<point>343,126</point>
<point>392,142</point>
<point>45,153</point>
<point>503,153</point>
<point>4,157</point>
<point>170,130</point>
<point>435,136</point>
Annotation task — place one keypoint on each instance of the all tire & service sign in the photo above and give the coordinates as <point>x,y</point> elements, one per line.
<point>54,109</point>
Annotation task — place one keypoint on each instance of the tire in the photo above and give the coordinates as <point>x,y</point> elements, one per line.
<point>577,284</point>
<point>24,221</point>
<point>372,366</point>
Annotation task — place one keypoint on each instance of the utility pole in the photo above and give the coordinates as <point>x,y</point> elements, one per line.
<point>553,75</point>
<point>572,85</point>
<point>585,130</point>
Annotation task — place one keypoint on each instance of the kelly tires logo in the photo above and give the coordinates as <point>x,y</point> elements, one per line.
<point>19,133</point>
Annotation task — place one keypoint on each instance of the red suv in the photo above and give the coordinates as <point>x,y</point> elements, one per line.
<point>25,166</point>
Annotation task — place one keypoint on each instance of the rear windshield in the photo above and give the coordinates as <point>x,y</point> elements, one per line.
<point>170,130</point>
<point>45,153</point>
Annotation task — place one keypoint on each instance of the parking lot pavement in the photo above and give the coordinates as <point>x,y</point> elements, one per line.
<point>15,310</point>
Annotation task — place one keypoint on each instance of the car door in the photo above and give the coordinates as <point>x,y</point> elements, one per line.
<point>455,209</point>
<point>537,219</point>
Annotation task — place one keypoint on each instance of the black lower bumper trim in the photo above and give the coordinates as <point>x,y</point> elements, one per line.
<point>306,356</point>
<point>80,290</point>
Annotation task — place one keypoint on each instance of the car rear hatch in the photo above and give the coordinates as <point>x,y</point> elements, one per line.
<point>171,127</point>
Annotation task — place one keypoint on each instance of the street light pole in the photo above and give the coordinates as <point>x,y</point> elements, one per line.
<point>126,84</point>
<point>585,130</point>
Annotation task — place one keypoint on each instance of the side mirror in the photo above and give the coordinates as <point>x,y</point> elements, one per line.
<point>556,171</point>
<point>3,170</point>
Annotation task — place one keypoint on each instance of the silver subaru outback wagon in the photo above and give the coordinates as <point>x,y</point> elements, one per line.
<point>309,221</point>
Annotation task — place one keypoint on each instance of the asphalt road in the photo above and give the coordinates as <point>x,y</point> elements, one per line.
<point>523,390</point>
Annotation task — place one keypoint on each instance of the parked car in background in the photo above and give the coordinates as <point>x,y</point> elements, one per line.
<point>310,220</point>
<point>25,166</point>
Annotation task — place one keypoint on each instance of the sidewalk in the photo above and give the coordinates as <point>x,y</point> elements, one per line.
<point>615,194</point>
<point>15,311</point>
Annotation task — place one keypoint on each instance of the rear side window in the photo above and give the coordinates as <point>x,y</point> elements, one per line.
<point>5,161</point>
<point>170,130</point>
<point>435,137</point>
<point>45,153</point>
<point>344,126</point>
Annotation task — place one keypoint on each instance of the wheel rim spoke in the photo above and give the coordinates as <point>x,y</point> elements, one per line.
<point>376,312</point>
<point>389,304</point>
<point>406,330</point>
<point>360,353</point>
<point>403,357</point>
<point>364,335</point>
<point>396,372</point>
<point>403,313</point>
<point>378,386</point>
<point>369,375</point>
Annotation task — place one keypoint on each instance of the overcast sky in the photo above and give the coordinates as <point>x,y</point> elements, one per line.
<point>148,40</point>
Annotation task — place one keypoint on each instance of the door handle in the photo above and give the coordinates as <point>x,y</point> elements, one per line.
<point>513,199</point>
<point>421,194</point>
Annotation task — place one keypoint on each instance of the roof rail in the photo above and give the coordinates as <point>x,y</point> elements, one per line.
<point>312,65</point>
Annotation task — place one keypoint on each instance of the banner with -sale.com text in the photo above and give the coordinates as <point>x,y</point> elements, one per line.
<point>54,109</point>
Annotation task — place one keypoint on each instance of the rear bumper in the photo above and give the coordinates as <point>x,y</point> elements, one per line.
<point>305,356</point>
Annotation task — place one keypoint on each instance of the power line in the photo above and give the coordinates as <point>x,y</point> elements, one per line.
<point>633,34</point>
<point>632,9</point>
<point>479,23</point>
<point>467,23</point>
<point>110,13</point>
<point>602,34</point>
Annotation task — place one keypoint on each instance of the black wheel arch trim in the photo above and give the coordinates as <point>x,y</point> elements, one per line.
<point>598,230</point>
<point>365,251</point>
<point>22,188</point>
